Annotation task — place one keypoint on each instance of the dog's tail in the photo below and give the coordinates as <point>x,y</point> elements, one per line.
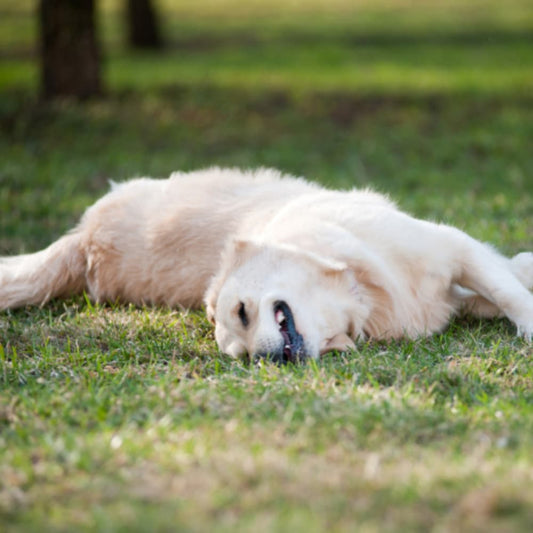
<point>58,270</point>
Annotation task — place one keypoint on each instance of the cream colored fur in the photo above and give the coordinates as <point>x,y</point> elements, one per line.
<point>349,264</point>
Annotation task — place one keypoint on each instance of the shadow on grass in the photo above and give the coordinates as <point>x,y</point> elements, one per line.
<point>291,37</point>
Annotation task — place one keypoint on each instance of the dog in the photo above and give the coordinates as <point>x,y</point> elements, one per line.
<point>287,269</point>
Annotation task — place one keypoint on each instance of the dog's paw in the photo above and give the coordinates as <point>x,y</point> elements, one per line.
<point>522,267</point>
<point>525,331</point>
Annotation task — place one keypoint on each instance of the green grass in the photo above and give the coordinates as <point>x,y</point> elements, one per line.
<point>124,419</point>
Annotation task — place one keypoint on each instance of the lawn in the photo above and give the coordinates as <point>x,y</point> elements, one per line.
<point>116,418</point>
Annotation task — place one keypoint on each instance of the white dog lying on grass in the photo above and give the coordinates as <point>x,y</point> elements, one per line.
<point>286,268</point>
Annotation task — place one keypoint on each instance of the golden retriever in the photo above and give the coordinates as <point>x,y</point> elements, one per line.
<point>286,268</point>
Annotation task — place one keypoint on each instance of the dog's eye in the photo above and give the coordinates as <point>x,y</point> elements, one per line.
<point>242,314</point>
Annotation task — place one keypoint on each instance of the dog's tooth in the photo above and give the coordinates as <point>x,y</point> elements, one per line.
<point>280,316</point>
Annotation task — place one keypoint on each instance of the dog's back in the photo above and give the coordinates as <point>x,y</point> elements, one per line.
<point>149,241</point>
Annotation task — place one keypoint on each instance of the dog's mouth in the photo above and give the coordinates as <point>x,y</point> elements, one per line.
<point>293,342</point>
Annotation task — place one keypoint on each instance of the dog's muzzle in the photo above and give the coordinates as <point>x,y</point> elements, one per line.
<point>291,347</point>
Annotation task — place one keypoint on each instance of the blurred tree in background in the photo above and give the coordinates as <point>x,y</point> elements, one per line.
<point>70,54</point>
<point>143,27</point>
<point>70,57</point>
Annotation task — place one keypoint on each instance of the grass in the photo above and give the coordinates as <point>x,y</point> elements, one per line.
<point>125,419</point>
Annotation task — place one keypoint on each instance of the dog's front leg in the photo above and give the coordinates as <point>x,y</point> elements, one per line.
<point>499,280</point>
<point>471,303</point>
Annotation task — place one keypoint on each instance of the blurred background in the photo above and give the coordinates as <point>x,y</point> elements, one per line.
<point>429,100</point>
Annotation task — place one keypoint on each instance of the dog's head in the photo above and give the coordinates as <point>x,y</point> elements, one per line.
<point>284,303</point>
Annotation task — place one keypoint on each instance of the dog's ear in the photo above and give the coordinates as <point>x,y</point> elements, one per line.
<point>374,286</point>
<point>327,265</point>
<point>236,253</point>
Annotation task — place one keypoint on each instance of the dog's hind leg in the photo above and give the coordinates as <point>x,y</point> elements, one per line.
<point>521,266</point>
<point>501,281</point>
<point>35,278</point>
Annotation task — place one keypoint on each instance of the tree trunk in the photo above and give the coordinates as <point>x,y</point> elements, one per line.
<point>70,58</point>
<point>143,28</point>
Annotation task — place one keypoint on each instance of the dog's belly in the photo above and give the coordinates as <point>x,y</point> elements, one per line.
<point>414,301</point>
<point>432,304</point>
<point>421,276</point>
